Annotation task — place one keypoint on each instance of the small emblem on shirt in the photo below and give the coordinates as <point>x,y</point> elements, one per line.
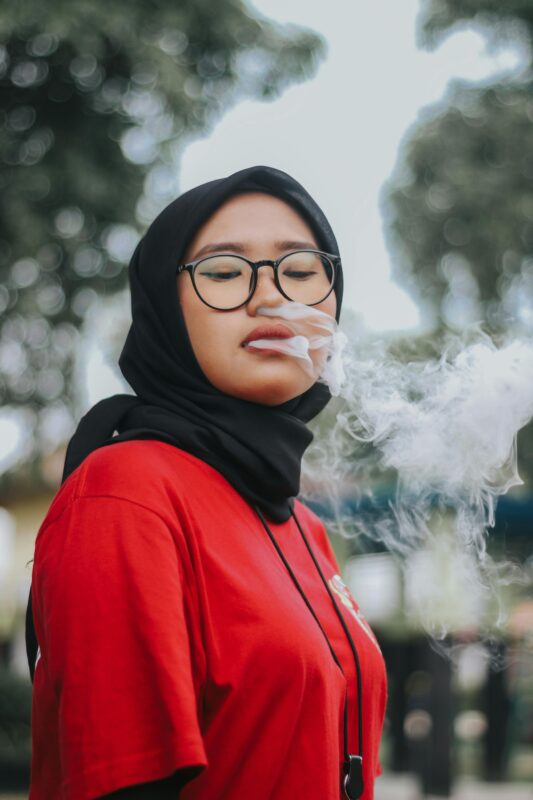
<point>341,590</point>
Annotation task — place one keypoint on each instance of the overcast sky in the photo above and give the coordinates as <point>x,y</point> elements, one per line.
<point>339,132</point>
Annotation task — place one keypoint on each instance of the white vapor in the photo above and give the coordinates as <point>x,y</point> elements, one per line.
<point>314,331</point>
<point>446,428</point>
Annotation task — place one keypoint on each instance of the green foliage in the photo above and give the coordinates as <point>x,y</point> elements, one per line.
<point>437,17</point>
<point>97,99</point>
<point>460,206</point>
<point>462,212</point>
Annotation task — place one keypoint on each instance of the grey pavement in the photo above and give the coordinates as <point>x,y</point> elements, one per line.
<point>394,787</point>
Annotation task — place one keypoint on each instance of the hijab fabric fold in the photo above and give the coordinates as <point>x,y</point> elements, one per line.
<point>257,448</point>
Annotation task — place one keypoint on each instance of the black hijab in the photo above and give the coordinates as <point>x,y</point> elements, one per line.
<point>257,448</point>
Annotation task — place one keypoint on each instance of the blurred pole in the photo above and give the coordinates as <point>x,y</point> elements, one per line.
<point>437,778</point>
<point>398,657</point>
<point>420,712</point>
<point>497,706</point>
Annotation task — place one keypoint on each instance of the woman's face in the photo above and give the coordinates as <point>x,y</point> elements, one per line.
<point>257,226</point>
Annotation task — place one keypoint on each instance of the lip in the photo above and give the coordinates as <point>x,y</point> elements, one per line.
<point>268,332</point>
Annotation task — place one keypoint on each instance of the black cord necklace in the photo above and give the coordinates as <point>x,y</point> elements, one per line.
<point>353,764</point>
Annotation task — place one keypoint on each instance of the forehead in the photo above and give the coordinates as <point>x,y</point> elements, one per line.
<point>252,216</point>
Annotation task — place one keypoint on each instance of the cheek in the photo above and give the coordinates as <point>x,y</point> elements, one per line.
<point>191,308</point>
<point>210,332</point>
<point>329,306</point>
<point>318,357</point>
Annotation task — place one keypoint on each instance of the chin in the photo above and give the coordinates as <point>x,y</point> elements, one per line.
<point>268,386</point>
<point>273,395</point>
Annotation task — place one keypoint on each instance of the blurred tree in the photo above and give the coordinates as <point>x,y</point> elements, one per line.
<point>97,100</point>
<point>460,206</point>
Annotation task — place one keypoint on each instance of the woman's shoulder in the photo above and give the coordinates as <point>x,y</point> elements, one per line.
<point>141,471</point>
<point>130,466</point>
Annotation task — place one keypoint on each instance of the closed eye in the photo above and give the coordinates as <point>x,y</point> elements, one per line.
<point>300,274</point>
<point>221,277</point>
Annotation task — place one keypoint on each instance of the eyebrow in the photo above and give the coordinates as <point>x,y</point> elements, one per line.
<point>238,247</point>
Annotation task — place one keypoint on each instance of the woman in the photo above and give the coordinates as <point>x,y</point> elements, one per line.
<point>195,638</point>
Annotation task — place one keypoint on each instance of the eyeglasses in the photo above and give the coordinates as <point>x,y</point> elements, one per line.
<point>226,282</point>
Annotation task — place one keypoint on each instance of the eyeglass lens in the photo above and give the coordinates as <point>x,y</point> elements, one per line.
<point>225,281</point>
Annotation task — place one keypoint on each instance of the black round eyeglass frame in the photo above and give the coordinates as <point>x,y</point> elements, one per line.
<point>255,265</point>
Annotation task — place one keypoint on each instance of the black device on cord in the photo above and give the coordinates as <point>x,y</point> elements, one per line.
<point>353,764</point>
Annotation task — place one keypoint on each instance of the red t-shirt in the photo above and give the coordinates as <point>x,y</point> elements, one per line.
<point>171,634</point>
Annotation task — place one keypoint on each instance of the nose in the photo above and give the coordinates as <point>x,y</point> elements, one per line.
<point>266,292</point>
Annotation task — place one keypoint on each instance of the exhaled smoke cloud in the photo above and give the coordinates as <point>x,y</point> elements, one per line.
<point>445,429</point>
<point>317,345</point>
<point>447,426</point>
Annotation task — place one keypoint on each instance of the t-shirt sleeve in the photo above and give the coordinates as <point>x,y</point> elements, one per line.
<point>113,624</point>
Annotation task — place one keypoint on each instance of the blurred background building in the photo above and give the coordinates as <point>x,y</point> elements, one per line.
<point>412,125</point>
